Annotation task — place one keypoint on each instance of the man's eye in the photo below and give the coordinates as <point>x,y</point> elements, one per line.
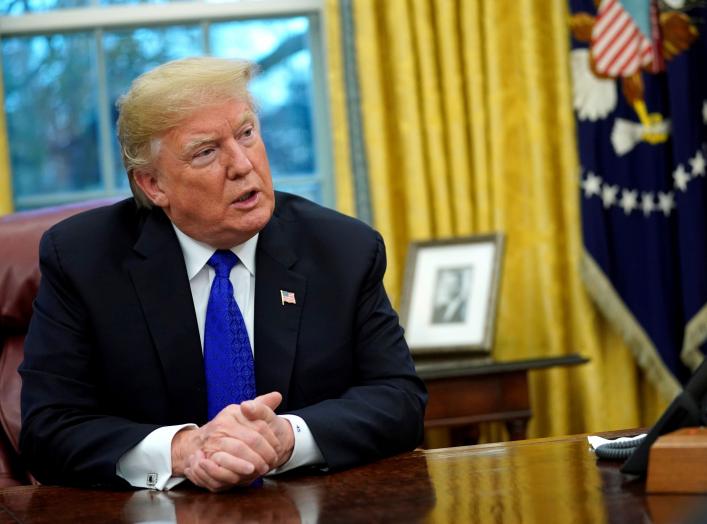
<point>203,157</point>
<point>249,132</point>
<point>204,153</point>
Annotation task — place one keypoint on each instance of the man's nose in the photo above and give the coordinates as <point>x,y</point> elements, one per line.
<point>237,162</point>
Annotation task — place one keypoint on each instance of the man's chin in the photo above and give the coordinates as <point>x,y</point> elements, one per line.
<point>243,231</point>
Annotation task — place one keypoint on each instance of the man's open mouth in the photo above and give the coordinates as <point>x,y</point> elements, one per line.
<point>246,196</point>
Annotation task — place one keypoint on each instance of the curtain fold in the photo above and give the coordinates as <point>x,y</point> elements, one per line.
<point>5,172</point>
<point>468,128</point>
<point>343,175</point>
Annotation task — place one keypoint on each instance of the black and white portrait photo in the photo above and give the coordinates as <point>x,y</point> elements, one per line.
<point>451,295</point>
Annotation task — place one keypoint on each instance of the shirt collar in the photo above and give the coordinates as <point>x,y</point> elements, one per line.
<point>197,254</point>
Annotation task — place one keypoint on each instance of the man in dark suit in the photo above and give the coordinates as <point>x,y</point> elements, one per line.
<point>117,385</point>
<point>451,295</point>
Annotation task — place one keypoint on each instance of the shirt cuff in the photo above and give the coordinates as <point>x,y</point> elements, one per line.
<point>149,463</point>
<point>305,451</point>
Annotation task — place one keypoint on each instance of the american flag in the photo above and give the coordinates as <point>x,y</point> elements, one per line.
<point>644,207</point>
<point>287,296</point>
<point>620,47</point>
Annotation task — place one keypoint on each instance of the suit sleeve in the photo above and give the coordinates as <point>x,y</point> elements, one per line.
<point>382,413</point>
<point>67,436</point>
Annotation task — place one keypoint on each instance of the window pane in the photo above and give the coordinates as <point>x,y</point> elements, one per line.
<point>311,190</point>
<point>19,7</point>
<point>131,53</point>
<point>50,104</point>
<point>53,94</point>
<point>282,89</point>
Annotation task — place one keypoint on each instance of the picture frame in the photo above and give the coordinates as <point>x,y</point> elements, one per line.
<point>450,294</point>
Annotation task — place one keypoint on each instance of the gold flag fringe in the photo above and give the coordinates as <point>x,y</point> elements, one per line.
<point>695,336</point>
<point>612,306</point>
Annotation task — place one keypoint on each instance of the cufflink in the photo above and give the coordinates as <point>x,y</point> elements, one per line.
<point>152,480</point>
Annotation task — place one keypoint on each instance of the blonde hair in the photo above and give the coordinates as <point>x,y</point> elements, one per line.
<point>163,97</point>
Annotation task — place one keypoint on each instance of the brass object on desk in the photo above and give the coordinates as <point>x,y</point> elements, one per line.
<point>678,462</point>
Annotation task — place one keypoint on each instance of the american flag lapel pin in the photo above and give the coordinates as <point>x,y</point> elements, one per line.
<point>287,297</point>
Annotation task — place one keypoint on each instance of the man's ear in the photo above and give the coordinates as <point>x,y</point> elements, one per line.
<point>147,180</point>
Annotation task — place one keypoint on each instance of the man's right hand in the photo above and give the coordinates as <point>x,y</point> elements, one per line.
<point>232,449</point>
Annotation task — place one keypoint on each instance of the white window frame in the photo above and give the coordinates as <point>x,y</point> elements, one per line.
<point>99,18</point>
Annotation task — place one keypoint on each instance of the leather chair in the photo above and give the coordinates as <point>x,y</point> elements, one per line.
<point>19,279</point>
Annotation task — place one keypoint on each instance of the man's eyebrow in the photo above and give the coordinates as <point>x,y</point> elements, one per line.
<point>198,142</point>
<point>248,116</point>
<point>195,143</point>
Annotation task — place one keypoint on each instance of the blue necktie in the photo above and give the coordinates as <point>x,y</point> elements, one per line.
<point>228,359</point>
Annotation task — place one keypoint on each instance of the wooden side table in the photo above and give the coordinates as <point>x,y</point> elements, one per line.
<point>465,391</point>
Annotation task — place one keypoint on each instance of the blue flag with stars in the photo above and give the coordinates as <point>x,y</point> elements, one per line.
<point>639,73</point>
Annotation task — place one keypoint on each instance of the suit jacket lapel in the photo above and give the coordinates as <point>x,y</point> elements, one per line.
<point>162,286</point>
<point>276,323</point>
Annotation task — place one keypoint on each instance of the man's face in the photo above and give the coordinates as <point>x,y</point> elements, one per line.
<point>448,286</point>
<point>212,175</point>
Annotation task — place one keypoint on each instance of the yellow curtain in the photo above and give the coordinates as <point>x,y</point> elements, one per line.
<point>5,180</point>
<point>468,129</point>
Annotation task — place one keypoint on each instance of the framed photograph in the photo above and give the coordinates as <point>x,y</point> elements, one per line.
<point>450,293</point>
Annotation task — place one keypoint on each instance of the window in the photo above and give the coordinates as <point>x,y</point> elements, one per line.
<point>66,62</point>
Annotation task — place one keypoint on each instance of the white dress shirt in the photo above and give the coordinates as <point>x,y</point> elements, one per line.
<point>149,463</point>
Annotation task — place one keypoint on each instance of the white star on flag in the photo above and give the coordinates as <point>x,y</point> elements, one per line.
<point>608,195</point>
<point>629,200</point>
<point>697,164</point>
<point>591,185</point>
<point>647,203</point>
<point>666,202</point>
<point>681,178</point>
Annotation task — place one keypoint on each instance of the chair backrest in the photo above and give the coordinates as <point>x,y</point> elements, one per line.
<point>19,280</point>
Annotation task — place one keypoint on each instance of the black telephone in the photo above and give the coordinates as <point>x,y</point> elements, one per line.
<point>688,409</point>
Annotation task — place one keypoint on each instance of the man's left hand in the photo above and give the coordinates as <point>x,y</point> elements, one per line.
<point>261,410</point>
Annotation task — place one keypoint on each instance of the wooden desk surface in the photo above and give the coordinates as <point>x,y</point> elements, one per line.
<point>543,481</point>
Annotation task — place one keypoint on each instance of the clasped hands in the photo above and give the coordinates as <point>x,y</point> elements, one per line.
<point>241,443</point>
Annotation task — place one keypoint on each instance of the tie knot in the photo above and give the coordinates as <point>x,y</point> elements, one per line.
<point>222,261</point>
